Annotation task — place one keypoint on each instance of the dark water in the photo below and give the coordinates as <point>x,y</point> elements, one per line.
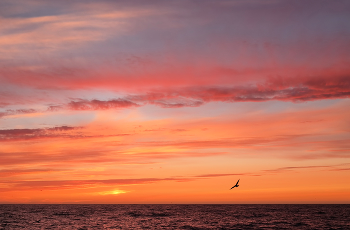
<point>174,216</point>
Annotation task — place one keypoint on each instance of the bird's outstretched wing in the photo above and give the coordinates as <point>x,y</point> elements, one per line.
<point>236,185</point>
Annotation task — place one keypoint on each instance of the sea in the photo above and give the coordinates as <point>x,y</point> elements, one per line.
<point>174,216</point>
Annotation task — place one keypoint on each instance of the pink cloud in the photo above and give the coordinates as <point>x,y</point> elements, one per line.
<point>281,89</point>
<point>27,134</point>
<point>10,112</point>
<point>100,105</point>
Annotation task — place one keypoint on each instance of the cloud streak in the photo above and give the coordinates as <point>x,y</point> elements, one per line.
<point>82,104</point>
<point>28,134</point>
<point>78,184</point>
<point>275,89</point>
<point>11,112</point>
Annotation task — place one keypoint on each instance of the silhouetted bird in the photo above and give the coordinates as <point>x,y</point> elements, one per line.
<point>236,185</point>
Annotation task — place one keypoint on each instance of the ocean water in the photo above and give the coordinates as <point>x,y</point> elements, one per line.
<point>137,216</point>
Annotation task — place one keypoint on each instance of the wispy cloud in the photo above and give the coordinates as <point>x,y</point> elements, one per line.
<point>20,171</point>
<point>334,167</point>
<point>10,112</point>
<point>26,134</point>
<point>77,184</point>
<point>307,89</point>
<point>82,104</point>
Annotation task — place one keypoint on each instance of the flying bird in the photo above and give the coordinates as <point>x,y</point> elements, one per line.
<point>236,185</point>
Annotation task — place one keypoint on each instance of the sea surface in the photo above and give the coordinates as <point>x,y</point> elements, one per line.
<point>140,216</point>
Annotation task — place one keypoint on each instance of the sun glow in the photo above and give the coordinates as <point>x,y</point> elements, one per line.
<point>113,192</point>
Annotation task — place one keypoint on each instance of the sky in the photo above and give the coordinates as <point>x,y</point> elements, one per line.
<point>165,101</point>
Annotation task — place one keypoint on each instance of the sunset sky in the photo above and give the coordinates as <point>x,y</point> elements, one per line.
<point>173,101</point>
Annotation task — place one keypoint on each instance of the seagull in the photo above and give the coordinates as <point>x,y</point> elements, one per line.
<point>236,185</point>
